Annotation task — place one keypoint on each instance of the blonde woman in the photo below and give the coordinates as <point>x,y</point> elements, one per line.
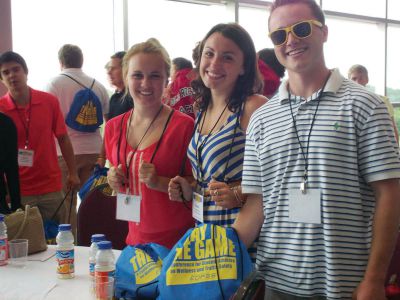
<point>146,147</point>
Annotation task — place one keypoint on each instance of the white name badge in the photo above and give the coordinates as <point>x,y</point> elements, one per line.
<point>128,207</point>
<point>305,207</point>
<point>25,158</point>
<point>197,207</point>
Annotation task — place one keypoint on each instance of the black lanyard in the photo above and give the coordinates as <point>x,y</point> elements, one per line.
<point>199,149</point>
<point>303,185</point>
<point>26,126</point>
<point>128,163</point>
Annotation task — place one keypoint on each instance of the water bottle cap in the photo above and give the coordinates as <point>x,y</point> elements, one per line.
<point>98,237</point>
<point>64,227</point>
<point>1,218</point>
<point>104,245</point>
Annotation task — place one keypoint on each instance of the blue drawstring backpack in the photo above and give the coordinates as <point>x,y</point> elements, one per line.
<point>137,271</point>
<point>208,262</point>
<point>85,113</point>
<point>98,178</point>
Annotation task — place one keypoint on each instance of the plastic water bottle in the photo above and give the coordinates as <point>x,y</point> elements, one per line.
<point>65,252</point>
<point>93,251</point>
<point>3,242</point>
<point>105,260</point>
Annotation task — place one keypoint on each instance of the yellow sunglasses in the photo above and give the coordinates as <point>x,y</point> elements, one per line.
<point>300,30</point>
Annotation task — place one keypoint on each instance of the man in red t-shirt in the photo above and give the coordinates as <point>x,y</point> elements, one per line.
<point>39,120</point>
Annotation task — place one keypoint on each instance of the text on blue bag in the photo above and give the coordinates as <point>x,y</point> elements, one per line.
<point>201,256</point>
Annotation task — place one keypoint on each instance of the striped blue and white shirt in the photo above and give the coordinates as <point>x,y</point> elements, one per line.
<point>221,159</point>
<point>352,144</point>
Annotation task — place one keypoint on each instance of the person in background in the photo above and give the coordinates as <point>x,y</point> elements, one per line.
<point>271,70</point>
<point>38,119</point>
<point>179,93</point>
<point>321,172</point>
<point>86,145</point>
<point>121,101</point>
<point>139,144</point>
<point>359,74</point>
<point>225,91</point>
<point>9,178</point>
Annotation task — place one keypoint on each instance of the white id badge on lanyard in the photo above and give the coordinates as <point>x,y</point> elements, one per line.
<point>197,207</point>
<point>25,158</point>
<point>305,207</point>
<point>128,207</point>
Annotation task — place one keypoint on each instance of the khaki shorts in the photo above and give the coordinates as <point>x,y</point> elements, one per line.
<point>47,204</point>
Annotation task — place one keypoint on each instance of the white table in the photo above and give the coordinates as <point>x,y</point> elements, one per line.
<point>38,280</point>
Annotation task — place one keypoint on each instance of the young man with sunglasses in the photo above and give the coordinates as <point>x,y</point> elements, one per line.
<point>321,171</point>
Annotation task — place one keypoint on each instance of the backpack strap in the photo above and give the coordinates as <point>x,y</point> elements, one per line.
<point>81,84</point>
<point>91,86</point>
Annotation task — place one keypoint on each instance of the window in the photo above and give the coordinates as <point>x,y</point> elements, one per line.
<point>255,21</point>
<point>347,46</point>
<point>97,27</point>
<point>372,8</point>
<point>394,9</point>
<point>38,36</point>
<point>178,26</point>
<point>393,64</point>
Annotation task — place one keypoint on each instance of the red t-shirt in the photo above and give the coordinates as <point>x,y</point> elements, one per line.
<point>271,80</point>
<point>46,122</point>
<point>162,221</point>
<point>180,93</point>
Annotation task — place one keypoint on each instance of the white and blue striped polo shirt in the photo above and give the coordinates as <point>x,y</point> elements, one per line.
<point>352,144</point>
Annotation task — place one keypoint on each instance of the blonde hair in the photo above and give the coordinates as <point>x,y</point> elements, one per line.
<point>151,46</point>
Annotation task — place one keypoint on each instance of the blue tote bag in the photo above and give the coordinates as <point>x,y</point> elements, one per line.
<point>208,262</point>
<point>137,271</point>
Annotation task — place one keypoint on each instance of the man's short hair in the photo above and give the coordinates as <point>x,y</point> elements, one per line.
<point>120,55</point>
<point>357,68</point>
<point>70,56</point>
<point>181,63</point>
<point>314,7</point>
<point>11,56</point>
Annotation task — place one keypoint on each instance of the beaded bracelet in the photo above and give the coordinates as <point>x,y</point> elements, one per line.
<point>239,200</point>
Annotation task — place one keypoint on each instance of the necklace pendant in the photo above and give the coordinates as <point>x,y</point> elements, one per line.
<point>303,187</point>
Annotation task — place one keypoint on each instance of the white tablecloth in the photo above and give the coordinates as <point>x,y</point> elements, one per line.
<point>38,280</point>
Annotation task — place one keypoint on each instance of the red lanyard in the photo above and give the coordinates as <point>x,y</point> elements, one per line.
<point>28,121</point>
